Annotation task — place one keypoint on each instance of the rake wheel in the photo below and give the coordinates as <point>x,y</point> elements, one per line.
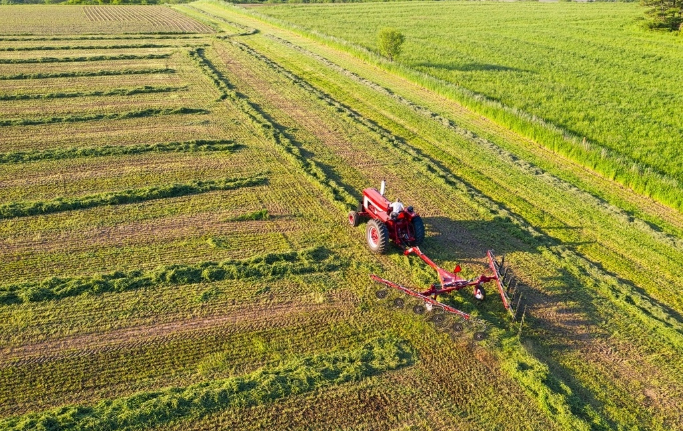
<point>439,319</point>
<point>478,336</point>
<point>399,302</point>
<point>382,293</point>
<point>419,309</point>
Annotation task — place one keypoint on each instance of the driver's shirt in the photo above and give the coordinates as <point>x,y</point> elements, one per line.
<point>397,207</point>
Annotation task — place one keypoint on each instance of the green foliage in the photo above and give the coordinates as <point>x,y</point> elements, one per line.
<point>390,42</point>
<point>115,150</point>
<point>664,14</point>
<point>24,209</point>
<point>293,377</point>
<point>271,265</point>
<point>93,117</point>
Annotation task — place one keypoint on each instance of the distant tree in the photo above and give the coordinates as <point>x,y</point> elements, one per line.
<point>389,42</point>
<point>664,14</point>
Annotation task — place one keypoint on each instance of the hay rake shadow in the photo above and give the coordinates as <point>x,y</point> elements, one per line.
<point>452,281</point>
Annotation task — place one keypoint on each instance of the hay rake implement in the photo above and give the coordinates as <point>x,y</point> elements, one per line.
<point>404,228</point>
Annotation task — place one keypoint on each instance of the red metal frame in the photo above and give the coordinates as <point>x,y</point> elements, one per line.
<point>451,281</point>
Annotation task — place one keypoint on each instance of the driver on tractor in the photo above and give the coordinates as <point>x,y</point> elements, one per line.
<point>396,208</point>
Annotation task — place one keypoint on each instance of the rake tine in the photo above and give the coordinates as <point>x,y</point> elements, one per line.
<point>502,262</point>
<point>505,272</point>
<point>512,286</point>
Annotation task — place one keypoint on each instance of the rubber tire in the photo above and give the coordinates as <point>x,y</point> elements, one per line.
<point>457,327</point>
<point>479,336</point>
<point>354,219</point>
<point>399,302</point>
<point>382,244</point>
<point>382,293</point>
<point>418,230</point>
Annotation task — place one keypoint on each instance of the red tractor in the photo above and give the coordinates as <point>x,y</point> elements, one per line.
<point>388,221</point>
<point>403,226</point>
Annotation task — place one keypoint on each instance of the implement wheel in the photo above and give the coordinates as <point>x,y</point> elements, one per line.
<point>377,236</point>
<point>478,336</point>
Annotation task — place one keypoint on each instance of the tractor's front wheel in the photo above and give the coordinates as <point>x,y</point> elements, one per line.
<point>377,236</point>
<point>354,219</point>
<point>418,230</point>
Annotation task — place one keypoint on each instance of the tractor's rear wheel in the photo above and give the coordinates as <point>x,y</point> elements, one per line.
<point>418,230</point>
<point>354,219</point>
<point>377,236</point>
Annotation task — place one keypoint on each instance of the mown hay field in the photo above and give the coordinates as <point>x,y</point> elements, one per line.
<point>175,251</point>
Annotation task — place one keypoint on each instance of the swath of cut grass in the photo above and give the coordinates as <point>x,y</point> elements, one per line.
<point>24,209</point>
<point>147,89</point>
<point>81,59</point>
<point>94,117</point>
<point>256,215</point>
<point>292,377</point>
<point>272,265</point>
<point>72,47</point>
<point>115,150</point>
<point>79,74</point>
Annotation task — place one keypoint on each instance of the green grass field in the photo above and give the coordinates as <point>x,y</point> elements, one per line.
<point>587,70</point>
<point>176,255</point>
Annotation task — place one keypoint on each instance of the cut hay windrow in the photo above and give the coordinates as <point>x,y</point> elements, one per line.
<point>84,58</point>
<point>313,172</point>
<point>221,145</point>
<point>96,117</point>
<point>79,74</point>
<point>25,209</point>
<point>94,47</point>
<point>295,376</point>
<point>147,89</point>
<point>104,37</point>
<point>272,266</point>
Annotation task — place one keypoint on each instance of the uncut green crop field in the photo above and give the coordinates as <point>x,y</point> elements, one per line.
<point>175,251</point>
<point>587,68</point>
